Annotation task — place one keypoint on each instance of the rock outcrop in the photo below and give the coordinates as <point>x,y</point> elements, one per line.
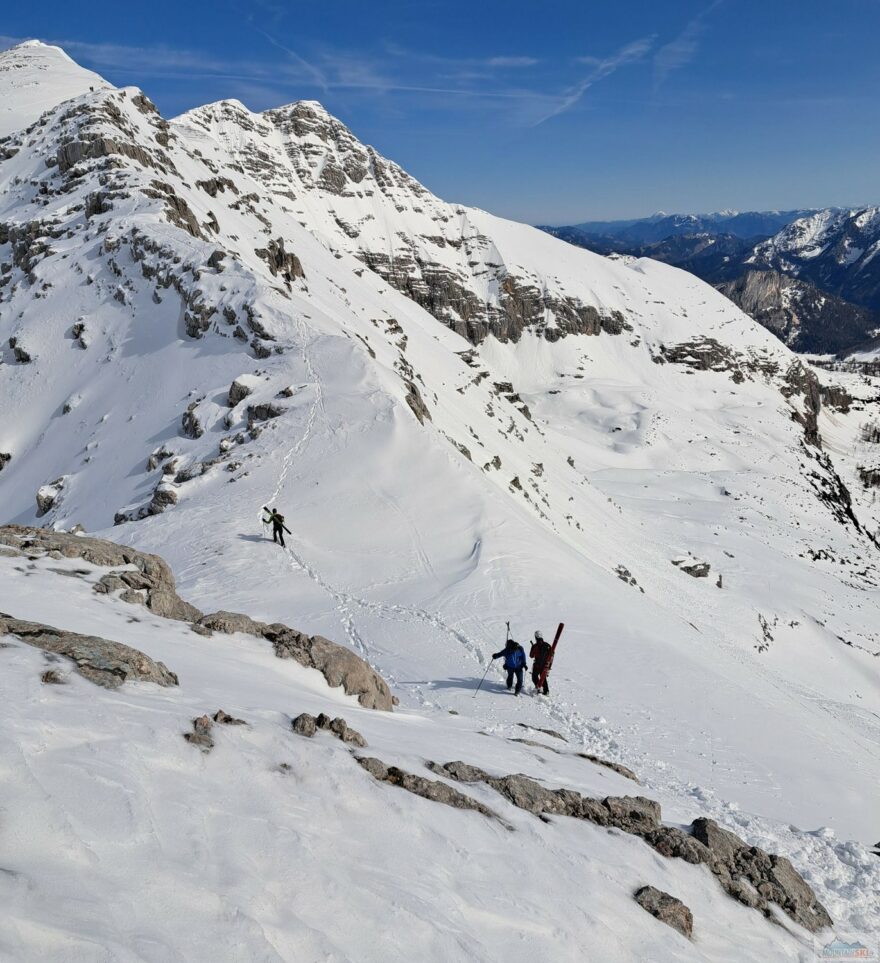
<point>238,391</point>
<point>47,496</point>
<point>431,789</point>
<point>632,814</point>
<point>307,725</point>
<point>202,729</point>
<point>101,661</point>
<point>153,579</point>
<point>338,665</point>
<point>280,262</point>
<point>152,585</point>
<point>666,908</point>
<point>802,315</point>
<point>757,878</point>
<point>747,873</point>
<point>692,567</point>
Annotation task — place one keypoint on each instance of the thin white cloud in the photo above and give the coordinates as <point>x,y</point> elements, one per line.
<point>681,51</point>
<point>602,67</point>
<point>512,62</point>
<point>316,74</point>
<point>437,81</point>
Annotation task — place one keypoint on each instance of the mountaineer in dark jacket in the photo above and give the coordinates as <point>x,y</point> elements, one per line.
<point>514,662</point>
<point>541,655</point>
<point>271,516</point>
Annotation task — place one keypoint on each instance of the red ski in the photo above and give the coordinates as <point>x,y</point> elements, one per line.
<point>542,677</point>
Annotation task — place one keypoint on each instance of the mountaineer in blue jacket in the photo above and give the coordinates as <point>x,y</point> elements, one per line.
<point>514,662</point>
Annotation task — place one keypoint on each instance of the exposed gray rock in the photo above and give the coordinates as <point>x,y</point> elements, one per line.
<point>227,720</point>
<point>101,661</point>
<point>157,456</point>
<point>164,496</point>
<point>215,185</point>
<point>432,789</point>
<point>47,496</point>
<point>706,354</point>
<point>177,211</point>
<point>770,878</point>
<point>21,356</point>
<point>747,873</point>
<point>547,732</point>
<point>52,677</point>
<point>805,317</point>
<point>414,400</point>
<point>238,391</point>
<point>800,380</point>
<point>230,622</point>
<point>621,770</point>
<point>693,568</point>
<point>153,574</point>
<point>632,814</point>
<point>201,734</point>
<point>666,908</point>
<point>263,412</point>
<point>674,843</point>
<point>346,734</point>
<point>339,666</point>
<point>307,725</point>
<point>73,152</point>
<point>625,575</point>
<point>5,459</point>
<point>189,422</point>
<point>281,262</point>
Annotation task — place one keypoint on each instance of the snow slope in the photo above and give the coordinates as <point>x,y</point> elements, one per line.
<point>123,842</point>
<point>603,415</point>
<point>35,77</point>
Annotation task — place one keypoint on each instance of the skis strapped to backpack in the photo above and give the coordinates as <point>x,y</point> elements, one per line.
<point>543,676</point>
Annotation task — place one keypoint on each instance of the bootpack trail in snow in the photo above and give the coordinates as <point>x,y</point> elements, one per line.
<point>593,735</point>
<point>347,603</point>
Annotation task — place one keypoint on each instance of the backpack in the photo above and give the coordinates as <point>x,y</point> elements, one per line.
<point>542,654</point>
<point>516,659</point>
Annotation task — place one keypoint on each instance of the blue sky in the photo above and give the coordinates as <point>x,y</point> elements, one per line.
<point>553,112</point>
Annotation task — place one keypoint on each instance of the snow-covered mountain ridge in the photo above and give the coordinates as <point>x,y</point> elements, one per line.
<point>464,420</point>
<point>833,249</point>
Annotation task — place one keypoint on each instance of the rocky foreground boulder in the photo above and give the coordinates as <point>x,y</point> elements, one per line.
<point>153,579</point>
<point>338,665</point>
<point>145,579</point>
<point>432,789</point>
<point>308,725</point>
<point>101,661</point>
<point>747,873</point>
<point>666,908</point>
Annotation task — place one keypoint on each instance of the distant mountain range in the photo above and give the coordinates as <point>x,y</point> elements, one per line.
<point>660,226</point>
<point>810,276</point>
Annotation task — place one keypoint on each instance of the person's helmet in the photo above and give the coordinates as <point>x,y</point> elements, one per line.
<point>538,636</point>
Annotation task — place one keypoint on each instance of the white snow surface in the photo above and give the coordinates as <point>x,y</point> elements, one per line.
<point>36,77</point>
<point>756,702</point>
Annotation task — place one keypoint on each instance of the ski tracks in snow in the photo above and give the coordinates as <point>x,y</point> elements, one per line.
<point>348,605</point>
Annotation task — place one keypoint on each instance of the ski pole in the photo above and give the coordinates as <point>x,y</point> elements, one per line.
<point>489,666</point>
